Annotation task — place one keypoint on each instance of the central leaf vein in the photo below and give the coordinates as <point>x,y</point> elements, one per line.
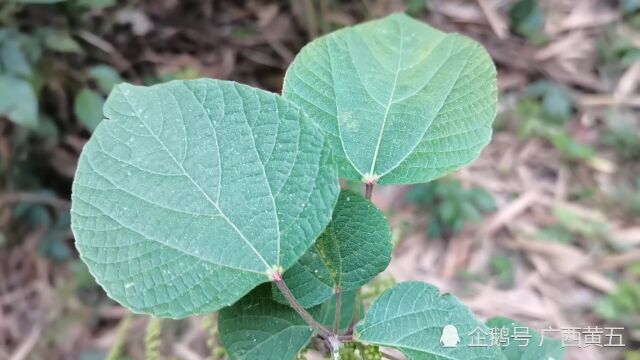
<point>192,180</point>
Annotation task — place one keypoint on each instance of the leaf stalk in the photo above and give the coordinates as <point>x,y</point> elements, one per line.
<point>291,299</point>
<point>336,322</point>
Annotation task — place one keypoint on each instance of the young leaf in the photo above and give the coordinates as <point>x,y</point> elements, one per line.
<point>18,101</point>
<point>256,327</point>
<point>353,249</point>
<point>535,347</point>
<point>191,193</point>
<point>412,317</point>
<point>400,101</point>
<point>88,108</point>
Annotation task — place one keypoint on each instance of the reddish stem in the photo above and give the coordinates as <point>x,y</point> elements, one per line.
<point>368,189</point>
<point>321,330</point>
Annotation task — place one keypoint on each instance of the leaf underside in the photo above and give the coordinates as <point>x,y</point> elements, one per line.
<point>353,249</point>
<point>191,192</point>
<point>400,101</point>
<point>411,317</point>
<point>259,328</point>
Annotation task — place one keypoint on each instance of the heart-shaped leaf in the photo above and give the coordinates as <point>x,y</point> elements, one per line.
<point>416,319</point>
<point>401,102</point>
<point>353,249</point>
<point>192,192</point>
<point>519,342</point>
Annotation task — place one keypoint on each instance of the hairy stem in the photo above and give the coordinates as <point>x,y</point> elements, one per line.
<point>321,330</point>
<point>336,322</point>
<point>368,190</point>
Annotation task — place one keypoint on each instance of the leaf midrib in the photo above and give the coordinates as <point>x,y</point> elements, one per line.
<point>389,103</point>
<point>192,180</point>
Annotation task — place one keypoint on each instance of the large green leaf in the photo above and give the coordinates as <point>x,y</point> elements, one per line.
<point>412,317</point>
<point>191,193</point>
<point>353,249</point>
<point>522,343</point>
<point>256,327</point>
<point>18,101</point>
<point>401,102</point>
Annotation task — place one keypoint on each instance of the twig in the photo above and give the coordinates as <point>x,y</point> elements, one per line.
<point>321,330</point>
<point>336,322</point>
<point>22,352</point>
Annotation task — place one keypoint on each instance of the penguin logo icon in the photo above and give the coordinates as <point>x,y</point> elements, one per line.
<point>449,336</point>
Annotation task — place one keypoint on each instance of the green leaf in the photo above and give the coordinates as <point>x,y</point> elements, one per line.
<point>412,316</point>
<point>400,101</point>
<point>527,18</point>
<point>18,101</point>
<point>60,41</point>
<point>88,108</point>
<point>353,249</point>
<point>327,311</point>
<point>191,193</point>
<point>518,347</point>
<point>106,77</point>
<point>13,59</point>
<point>256,327</point>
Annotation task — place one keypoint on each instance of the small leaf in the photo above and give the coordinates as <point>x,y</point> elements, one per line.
<point>61,41</point>
<point>400,101</point>
<point>256,327</point>
<point>88,108</point>
<point>106,77</point>
<point>529,345</point>
<point>13,59</point>
<point>412,317</point>
<point>527,18</point>
<point>191,193</point>
<point>18,101</point>
<point>353,249</point>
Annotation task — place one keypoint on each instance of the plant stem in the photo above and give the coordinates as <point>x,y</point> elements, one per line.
<point>321,330</point>
<point>336,322</point>
<point>368,190</point>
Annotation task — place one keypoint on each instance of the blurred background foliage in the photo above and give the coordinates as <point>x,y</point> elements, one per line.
<point>543,228</point>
